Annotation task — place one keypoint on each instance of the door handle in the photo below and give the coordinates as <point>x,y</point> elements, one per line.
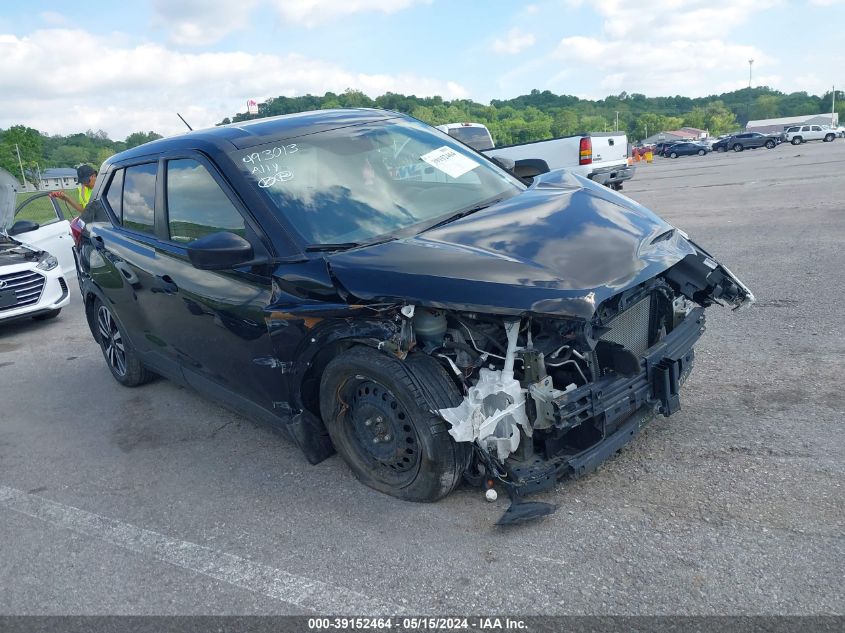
<point>166,285</point>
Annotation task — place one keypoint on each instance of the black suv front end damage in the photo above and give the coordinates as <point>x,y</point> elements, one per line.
<point>562,357</point>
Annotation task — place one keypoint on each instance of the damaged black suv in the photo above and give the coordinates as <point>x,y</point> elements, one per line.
<point>375,287</point>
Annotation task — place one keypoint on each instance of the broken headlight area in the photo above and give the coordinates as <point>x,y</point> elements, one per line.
<point>546,397</point>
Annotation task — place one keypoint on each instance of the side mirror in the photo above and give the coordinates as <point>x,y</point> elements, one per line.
<point>502,161</point>
<point>23,226</point>
<point>220,251</point>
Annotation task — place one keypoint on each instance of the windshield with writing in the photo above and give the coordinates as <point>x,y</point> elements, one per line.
<point>357,183</point>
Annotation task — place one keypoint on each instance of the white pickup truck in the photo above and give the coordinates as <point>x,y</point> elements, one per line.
<point>602,157</point>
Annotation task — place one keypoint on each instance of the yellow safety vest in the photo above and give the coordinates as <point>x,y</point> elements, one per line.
<point>84,195</point>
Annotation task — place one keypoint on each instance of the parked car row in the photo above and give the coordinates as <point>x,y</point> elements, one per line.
<point>746,140</point>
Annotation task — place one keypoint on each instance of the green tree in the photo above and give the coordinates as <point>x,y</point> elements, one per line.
<point>29,143</point>
<point>720,120</point>
<point>593,123</point>
<point>565,122</point>
<point>697,118</point>
<point>765,107</point>
<point>139,138</point>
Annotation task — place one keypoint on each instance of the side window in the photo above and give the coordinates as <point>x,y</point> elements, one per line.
<point>114,195</point>
<point>139,193</point>
<point>196,205</point>
<point>817,128</point>
<point>806,128</point>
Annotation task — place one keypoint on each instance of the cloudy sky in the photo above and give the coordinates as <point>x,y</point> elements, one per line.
<point>125,67</point>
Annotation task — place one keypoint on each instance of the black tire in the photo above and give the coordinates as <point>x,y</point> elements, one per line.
<point>52,314</point>
<point>770,144</point>
<point>378,412</point>
<point>721,149</point>
<point>828,138</point>
<point>673,155</point>
<point>701,152</point>
<point>737,148</point>
<point>122,360</point>
<point>797,140</point>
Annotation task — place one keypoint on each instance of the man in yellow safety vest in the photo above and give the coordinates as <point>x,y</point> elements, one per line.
<point>86,176</point>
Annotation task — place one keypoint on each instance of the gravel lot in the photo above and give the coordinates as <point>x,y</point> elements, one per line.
<point>154,501</point>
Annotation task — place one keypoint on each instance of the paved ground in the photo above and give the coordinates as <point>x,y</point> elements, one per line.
<point>153,501</point>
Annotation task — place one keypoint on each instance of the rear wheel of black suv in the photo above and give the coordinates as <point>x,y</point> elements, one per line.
<point>379,413</point>
<point>121,359</point>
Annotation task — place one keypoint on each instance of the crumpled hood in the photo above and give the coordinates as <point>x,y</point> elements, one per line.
<point>561,247</point>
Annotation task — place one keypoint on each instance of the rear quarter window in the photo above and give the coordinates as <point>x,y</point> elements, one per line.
<point>114,195</point>
<point>139,191</point>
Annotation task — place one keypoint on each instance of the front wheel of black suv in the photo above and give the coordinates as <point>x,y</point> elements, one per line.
<point>770,144</point>
<point>121,359</point>
<point>379,412</point>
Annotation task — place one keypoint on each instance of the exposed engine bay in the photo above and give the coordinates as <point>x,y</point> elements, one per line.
<point>542,393</point>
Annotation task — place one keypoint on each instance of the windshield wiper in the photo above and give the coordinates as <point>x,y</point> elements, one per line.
<point>339,246</point>
<point>345,246</point>
<point>463,213</point>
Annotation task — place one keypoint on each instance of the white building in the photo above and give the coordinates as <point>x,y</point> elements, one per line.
<point>766,126</point>
<point>58,178</point>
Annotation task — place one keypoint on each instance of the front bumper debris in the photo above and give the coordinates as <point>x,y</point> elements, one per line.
<point>614,407</point>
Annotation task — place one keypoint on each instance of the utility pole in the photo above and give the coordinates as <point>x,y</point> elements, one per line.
<point>20,164</point>
<point>833,106</point>
<point>748,108</point>
<point>617,120</point>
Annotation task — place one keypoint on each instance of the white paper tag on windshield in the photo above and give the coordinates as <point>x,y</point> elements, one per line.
<point>449,161</point>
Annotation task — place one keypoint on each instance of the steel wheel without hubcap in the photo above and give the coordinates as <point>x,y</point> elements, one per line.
<point>380,413</point>
<point>112,341</point>
<point>382,435</point>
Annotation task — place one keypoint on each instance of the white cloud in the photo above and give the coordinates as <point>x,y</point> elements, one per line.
<point>312,12</point>
<point>141,87</point>
<point>198,22</point>
<point>692,20</point>
<point>677,67</point>
<point>514,42</point>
